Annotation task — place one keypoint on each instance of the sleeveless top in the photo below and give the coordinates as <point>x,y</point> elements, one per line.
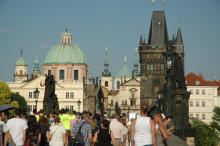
<point>142,134</point>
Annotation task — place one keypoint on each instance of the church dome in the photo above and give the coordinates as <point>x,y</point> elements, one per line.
<point>21,61</point>
<point>66,52</point>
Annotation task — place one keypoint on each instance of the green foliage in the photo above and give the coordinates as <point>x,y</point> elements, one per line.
<point>205,134</point>
<point>5,93</point>
<point>20,101</point>
<point>216,119</point>
<point>117,108</point>
<point>14,99</point>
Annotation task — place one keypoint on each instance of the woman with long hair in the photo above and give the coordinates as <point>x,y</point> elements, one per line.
<point>44,130</point>
<point>143,129</point>
<point>33,132</point>
<point>103,137</point>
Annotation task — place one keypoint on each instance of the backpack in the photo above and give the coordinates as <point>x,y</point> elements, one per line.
<point>79,139</point>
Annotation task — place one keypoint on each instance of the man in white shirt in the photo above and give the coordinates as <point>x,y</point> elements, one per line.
<point>116,129</point>
<point>17,128</point>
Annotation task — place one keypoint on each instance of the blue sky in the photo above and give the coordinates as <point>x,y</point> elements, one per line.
<point>35,26</point>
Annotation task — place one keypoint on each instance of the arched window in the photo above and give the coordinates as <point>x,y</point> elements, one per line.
<point>106,83</point>
<point>62,74</point>
<point>118,85</point>
<point>76,74</point>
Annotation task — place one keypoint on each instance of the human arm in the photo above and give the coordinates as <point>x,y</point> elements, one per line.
<point>132,130</point>
<point>113,139</point>
<point>153,133</point>
<point>163,130</point>
<point>95,138</point>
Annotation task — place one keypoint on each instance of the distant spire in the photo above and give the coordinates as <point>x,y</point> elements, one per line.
<point>36,69</point>
<point>141,41</point>
<point>135,65</point>
<point>21,52</point>
<point>106,71</point>
<point>173,39</point>
<point>179,38</point>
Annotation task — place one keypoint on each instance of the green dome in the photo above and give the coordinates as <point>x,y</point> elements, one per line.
<point>65,54</point>
<point>21,61</point>
<point>124,72</point>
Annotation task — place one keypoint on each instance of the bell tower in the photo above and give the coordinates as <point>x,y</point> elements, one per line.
<point>152,62</point>
<point>21,73</point>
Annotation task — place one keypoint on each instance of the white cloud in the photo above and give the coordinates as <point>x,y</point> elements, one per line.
<point>6,29</point>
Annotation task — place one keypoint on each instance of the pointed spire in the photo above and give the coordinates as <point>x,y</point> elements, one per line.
<point>141,41</point>
<point>158,34</point>
<point>179,38</point>
<point>173,39</point>
<point>21,52</point>
<point>106,71</point>
<point>36,69</point>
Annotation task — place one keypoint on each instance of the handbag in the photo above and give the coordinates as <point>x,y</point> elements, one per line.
<point>78,138</point>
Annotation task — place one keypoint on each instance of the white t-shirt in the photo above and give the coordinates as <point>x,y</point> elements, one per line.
<point>57,131</point>
<point>16,126</point>
<point>116,128</point>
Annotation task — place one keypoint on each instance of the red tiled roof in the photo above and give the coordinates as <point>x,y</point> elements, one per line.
<point>192,79</point>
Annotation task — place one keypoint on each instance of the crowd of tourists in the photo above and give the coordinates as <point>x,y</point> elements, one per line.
<point>81,129</point>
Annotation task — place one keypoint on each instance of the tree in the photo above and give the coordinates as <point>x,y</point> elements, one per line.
<point>216,119</point>
<point>205,135</point>
<point>117,108</point>
<point>5,93</point>
<point>15,97</point>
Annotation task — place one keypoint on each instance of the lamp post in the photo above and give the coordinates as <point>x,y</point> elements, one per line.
<point>128,112</point>
<point>78,103</point>
<point>109,110</point>
<point>36,96</point>
<point>169,55</point>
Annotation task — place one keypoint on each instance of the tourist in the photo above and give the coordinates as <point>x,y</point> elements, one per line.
<point>116,129</point>
<point>33,132</point>
<point>16,129</point>
<point>82,126</point>
<point>57,135</point>
<point>44,130</point>
<point>103,137</point>
<point>143,129</point>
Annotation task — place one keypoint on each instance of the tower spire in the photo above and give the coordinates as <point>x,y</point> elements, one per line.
<point>106,71</point>
<point>141,41</point>
<point>179,38</point>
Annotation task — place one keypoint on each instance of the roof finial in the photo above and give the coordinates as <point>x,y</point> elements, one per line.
<point>66,29</point>
<point>21,52</point>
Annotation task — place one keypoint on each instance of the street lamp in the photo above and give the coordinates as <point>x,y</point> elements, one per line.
<point>109,110</point>
<point>170,59</point>
<point>36,96</point>
<point>78,102</point>
<point>128,112</point>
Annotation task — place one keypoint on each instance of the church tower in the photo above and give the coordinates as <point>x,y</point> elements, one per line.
<point>106,79</point>
<point>152,62</point>
<point>36,69</point>
<point>21,73</point>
